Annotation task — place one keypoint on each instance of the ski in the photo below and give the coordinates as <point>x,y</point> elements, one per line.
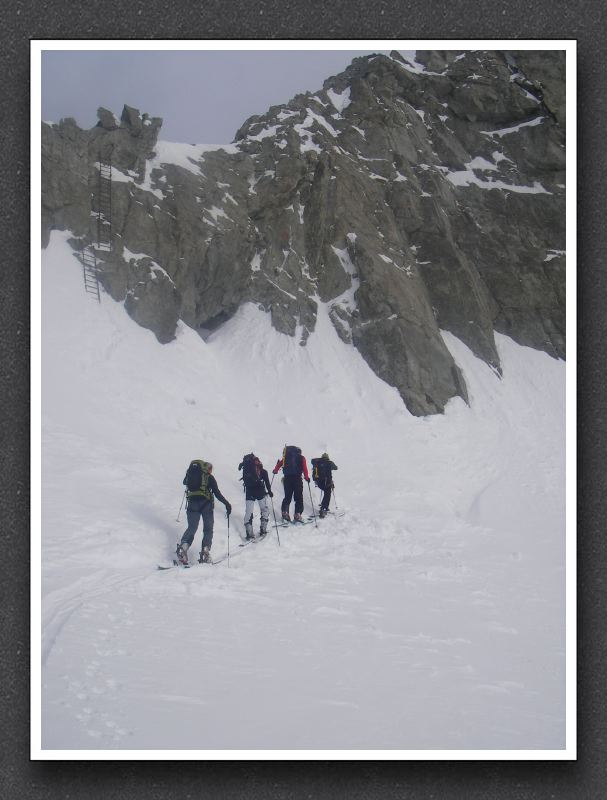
<point>185,566</point>
<point>329,513</point>
<point>215,560</point>
<point>253,541</point>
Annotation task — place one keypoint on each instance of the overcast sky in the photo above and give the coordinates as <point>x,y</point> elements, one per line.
<point>202,96</point>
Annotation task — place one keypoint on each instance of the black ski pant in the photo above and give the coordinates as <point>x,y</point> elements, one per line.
<point>199,507</point>
<point>293,486</point>
<point>325,487</point>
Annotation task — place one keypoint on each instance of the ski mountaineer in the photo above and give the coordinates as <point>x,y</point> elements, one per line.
<point>257,488</point>
<point>293,464</point>
<point>322,474</point>
<point>200,487</point>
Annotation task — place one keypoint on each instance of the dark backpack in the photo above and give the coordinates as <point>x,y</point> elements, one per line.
<point>320,470</point>
<point>291,464</point>
<point>197,478</point>
<point>251,471</point>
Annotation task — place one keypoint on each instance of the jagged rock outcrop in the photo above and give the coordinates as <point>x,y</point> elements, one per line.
<point>408,197</point>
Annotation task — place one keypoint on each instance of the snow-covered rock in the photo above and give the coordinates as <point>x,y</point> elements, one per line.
<point>450,165</point>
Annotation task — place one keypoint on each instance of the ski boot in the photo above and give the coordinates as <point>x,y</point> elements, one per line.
<point>297,518</point>
<point>205,556</point>
<point>323,513</point>
<point>249,532</point>
<point>182,553</point>
<point>286,517</point>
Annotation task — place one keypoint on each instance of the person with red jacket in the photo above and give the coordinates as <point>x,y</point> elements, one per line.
<point>293,465</point>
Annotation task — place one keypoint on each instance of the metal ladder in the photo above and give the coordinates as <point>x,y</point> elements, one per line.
<point>90,271</point>
<point>104,206</point>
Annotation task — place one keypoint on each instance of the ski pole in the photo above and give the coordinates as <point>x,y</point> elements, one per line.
<point>181,506</point>
<point>228,516</point>
<point>274,513</point>
<point>334,498</point>
<point>312,502</point>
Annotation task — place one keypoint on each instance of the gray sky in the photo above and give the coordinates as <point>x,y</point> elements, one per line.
<point>202,96</point>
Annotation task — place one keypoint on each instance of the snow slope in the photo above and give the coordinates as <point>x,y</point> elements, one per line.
<point>430,617</point>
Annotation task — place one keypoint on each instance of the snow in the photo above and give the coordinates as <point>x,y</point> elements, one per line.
<point>216,212</point>
<point>154,267</point>
<point>118,176</point>
<point>480,163</point>
<point>265,133</point>
<point>467,177</point>
<point>285,114</point>
<point>550,254</point>
<point>280,289</point>
<point>340,100</point>
<point>187,156</point>
<point>389,260</point>
<point>321,121</point>
<point>347,299</point>
<point>412,65</point>
<point>430,617</point>
<point>306,135</point>
<point>515,128</point>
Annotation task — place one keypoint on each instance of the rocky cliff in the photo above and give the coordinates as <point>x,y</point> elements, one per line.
<point>408,197</point>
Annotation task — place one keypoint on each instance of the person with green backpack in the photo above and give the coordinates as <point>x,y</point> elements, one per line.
<point>201,486</point>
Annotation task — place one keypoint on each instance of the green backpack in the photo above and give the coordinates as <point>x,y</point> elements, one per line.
<point>197,479</point>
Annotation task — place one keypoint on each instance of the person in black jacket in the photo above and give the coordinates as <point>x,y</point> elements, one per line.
<point>201,487</point>
<point>257,488</point>
<point>322,473</point>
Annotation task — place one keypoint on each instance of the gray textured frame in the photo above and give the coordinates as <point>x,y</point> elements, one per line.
<point>230,19</point>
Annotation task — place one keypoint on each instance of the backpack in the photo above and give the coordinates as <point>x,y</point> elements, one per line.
<point>291,460</point>
<point>197,479</point>
<point>251,471</point>
<point>320,470</point>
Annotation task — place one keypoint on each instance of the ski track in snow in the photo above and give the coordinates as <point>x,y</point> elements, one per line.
<point>430,616</point>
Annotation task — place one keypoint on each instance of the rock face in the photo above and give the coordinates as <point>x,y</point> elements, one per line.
<point>406,197</point>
